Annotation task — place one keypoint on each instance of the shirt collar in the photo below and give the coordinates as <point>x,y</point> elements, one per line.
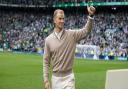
<point>58,35</point>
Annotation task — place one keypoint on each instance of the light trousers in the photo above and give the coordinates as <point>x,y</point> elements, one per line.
<point>65,82</point>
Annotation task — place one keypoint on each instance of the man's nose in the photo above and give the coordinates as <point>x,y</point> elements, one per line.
<point>62,20</point>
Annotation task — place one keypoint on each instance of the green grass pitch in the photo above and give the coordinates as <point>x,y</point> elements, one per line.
<point>24,71</point>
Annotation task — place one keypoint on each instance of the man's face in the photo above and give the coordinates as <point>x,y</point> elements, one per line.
<point>59,19</point>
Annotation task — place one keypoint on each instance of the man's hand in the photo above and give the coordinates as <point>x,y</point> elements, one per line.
<point>47,85</point>
<point>91,10</point>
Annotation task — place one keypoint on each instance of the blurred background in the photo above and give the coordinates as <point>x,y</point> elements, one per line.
<point>24,25</point>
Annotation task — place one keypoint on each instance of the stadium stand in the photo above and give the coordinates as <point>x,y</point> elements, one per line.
<point>26,30</point>
<point>51,2</point>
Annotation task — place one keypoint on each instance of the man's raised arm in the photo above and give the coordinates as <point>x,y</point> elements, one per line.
<point>81,33</point>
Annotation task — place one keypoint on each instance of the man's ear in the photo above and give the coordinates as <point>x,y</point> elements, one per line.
<point>54,20</point>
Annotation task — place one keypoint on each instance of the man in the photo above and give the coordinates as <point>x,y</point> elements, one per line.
<point>59,51</point>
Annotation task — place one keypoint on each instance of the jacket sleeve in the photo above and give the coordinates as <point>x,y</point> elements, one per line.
<point>84,32</point>
<point>46,62</point>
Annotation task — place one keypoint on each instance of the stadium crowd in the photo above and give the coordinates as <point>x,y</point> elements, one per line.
<point>51,2</point>
<point>23,31</point>
<point>67,1</point>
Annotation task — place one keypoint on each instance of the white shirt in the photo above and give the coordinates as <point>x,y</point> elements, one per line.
<point>58,35</point>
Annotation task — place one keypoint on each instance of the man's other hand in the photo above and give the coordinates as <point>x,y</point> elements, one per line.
<point>47,85</point>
